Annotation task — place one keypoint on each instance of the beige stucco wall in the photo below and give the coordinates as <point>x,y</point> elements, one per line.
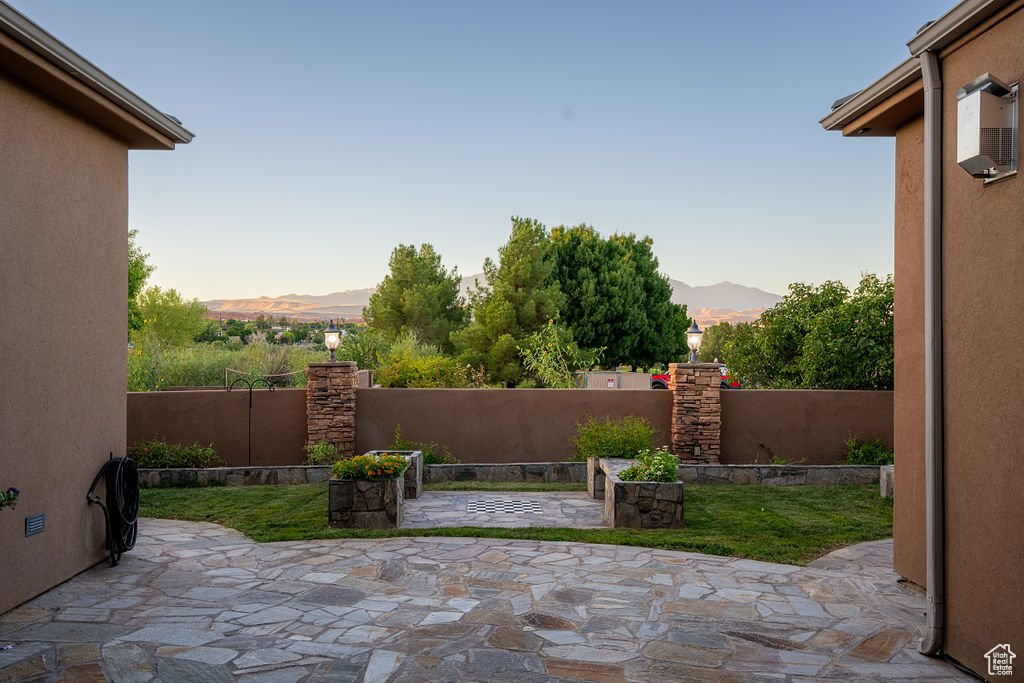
<point>221,418</point>
<point>802,427</point>
<point>983,284</point>
<point>908,408</point>
<point>63,302</point>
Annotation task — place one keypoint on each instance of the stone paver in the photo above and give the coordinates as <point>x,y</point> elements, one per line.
<point>196,601</point>
<point>575,510</point>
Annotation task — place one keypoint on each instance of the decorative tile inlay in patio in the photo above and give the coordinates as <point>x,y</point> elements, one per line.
<point>503,509</point>
<point>197,602</point>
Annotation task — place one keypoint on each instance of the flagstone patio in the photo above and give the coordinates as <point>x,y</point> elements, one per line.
<point>197,601</point>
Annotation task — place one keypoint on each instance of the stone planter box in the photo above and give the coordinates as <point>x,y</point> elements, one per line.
<point>413,473</point>
<point>634,504</point>
<point>365,503</point>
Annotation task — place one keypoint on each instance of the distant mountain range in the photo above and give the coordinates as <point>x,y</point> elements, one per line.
<point>709,304</point>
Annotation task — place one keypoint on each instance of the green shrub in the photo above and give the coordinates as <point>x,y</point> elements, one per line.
<point>322,453</point>
<point>152,368</point>
<point>408,363</point>
<point>653,464</point>
<point>869,452</point>
<point>608,438</point>
<point>370,467</point>
<point>158,453</point>
<point>433,453</point>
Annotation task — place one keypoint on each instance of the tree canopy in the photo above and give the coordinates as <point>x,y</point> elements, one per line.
<point>167,319</point>
<point>821,337</point>
<point>519,298</point>
<point>138,272</point>
<point>618,301</point>
<point>418,296</point>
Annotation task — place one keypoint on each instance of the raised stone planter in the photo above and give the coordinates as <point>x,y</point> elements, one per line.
<point>413,473</point>
<point>366,504</point>
<point>639,504</point>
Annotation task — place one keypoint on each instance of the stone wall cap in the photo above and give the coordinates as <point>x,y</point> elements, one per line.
<point>335,364</point>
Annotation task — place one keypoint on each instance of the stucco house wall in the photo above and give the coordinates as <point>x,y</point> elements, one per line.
<point>983,313</point>
<point>64,282</point>
<point>983,322</point>
<point>65,132</point>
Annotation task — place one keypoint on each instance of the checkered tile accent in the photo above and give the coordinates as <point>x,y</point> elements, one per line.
<point>499,507</point>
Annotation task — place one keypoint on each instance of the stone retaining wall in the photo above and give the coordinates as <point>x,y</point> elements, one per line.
<point>232,476</point>
<point>563,472</point>
<point>779,475</point>
<point>575,472</point>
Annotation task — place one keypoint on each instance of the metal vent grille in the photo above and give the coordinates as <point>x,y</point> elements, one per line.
<point>997,144</point>
<point>35,524</point>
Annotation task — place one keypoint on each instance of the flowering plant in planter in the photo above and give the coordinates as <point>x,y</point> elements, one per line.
<point>9,497</point>
<point>370,467</point>
<point>652,465</point>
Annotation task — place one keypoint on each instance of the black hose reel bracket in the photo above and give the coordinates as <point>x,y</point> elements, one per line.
<point>121,507</point>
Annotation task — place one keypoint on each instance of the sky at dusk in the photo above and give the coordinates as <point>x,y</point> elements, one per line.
<point>329,132</point>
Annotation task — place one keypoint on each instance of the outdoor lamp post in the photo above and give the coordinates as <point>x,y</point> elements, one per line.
<point>693,336</point>
<point>331,338</point>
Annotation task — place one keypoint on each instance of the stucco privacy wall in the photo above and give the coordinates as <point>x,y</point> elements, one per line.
<point>806,427</point>
<point>508,425</point>
<point>983,313</point>
<point>221,418</point>
<point>908,302</point>
<point>499,425</point>
<point>63,300</point>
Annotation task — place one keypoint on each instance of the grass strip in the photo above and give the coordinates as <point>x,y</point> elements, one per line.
<point>787,524</point>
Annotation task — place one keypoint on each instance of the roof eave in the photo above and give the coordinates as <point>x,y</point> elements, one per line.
<point>38,41</point>
<point>878,92</point>
<point>953,24</point>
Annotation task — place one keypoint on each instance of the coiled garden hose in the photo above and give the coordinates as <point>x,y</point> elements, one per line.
<point>121,508</point>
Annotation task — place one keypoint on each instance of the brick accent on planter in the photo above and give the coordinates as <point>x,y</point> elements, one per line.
<point>366,504</point>
<point>331,405</point>
<point>696,412</point>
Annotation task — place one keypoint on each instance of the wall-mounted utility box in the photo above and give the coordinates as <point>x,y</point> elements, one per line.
<point>986,127</point>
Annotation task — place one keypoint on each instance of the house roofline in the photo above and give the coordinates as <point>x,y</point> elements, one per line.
<point>934,36</point>
<point>37,40</point>
<point>870,97</point>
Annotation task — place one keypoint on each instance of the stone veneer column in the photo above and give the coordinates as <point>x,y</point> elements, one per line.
<point>331,405</point>
<point>696,412</point>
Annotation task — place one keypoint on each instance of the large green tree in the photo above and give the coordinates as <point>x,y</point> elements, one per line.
<point>714,340</point>
<point>518,298</point>
<point>616,298</point>
<point>819,338</point>
<point>418,296</point>
<point>168,320</point>
<point>138,273</point>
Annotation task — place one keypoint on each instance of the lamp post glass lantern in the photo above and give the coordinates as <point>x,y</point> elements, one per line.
<point>331,338</point>
<point>693,336</point>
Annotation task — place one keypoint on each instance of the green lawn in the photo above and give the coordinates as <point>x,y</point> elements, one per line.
<point>789,524</point>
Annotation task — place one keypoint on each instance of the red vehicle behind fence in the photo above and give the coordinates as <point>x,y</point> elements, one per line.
<point>661,381</point>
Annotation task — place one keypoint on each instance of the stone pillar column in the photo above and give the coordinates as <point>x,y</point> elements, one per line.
<point>331,405</point>
<point>696,412</point>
